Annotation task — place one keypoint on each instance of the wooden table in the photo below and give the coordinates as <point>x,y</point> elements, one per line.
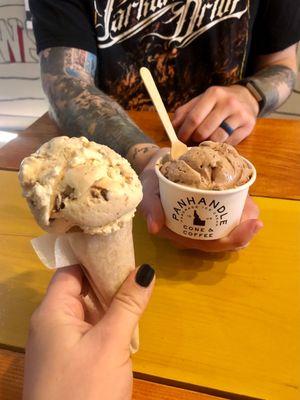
<point>225,325</point>
<point>273,148</point>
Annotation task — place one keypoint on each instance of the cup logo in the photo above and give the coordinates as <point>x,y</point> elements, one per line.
<point>197,220</point>
<point>198,217</point>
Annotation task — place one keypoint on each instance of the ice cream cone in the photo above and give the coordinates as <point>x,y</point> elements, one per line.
<point>73,185</point>
<point>107,260</point>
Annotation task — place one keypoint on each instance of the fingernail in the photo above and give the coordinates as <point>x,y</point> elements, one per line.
<point>145,275</point>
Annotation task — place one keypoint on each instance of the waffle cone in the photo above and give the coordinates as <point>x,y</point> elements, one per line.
<point>107,261</point>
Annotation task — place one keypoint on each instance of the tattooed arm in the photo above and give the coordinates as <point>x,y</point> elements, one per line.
<point>81,109</point>
<point>276,77</point>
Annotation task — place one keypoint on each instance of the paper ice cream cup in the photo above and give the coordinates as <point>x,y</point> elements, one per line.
<point>202,214</point>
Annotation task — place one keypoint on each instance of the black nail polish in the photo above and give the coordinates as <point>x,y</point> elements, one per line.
<point>145,275</point>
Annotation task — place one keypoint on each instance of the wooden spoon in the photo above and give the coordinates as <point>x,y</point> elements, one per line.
<point>177,147</point>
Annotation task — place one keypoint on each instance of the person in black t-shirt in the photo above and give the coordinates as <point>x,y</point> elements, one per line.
<point>218,65</point>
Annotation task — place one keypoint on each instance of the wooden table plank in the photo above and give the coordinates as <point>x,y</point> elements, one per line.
<point>11,383</point>
<point>274,148</point>
<point>27,142</point>
<point>229,321</point>
<point>11,375</point>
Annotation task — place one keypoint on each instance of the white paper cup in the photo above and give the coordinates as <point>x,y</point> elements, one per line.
<point>202,214</point>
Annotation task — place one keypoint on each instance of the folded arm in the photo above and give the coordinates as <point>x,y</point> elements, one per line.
<point>80,108</point>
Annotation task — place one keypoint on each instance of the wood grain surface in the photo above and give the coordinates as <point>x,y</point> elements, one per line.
<point>228,322</point>
<point>11,383</point>
<point>273,147</point>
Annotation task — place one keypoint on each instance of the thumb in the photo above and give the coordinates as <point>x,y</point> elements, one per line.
<point>151,206</point>
<point>127,306</point>
<point>155,215</point>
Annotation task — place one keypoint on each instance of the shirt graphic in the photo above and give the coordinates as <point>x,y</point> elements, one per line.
<point>187,44</point>
<point>186,20</point>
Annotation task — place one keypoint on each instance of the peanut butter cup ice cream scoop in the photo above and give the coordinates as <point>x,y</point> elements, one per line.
<point>73,182</point>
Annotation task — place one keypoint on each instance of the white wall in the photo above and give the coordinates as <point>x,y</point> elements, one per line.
<point>21,97</point>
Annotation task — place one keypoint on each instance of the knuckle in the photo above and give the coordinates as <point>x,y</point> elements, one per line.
<point>232,102</point>
<point>193,119</point>
<point>247,116</point>
<point>198,136</point>
<point>215,90</point>
<point>178,112</point>
<point>243,115</point>
<point>206,128</point>
<point>128,302</point>
<point>234,140</point>
<point>219,137</point>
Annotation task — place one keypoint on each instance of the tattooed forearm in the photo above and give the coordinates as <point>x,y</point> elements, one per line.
<point>79,107</point>
<point>277,83</point>
<point>140,154</point>
<point>142,150</point>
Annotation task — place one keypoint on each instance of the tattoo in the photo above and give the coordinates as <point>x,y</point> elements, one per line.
<point>79,107</point>
<point>277,83</point>
<point>143,150</point>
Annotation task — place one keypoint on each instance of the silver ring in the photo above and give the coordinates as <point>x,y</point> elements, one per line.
<point>227,128</point>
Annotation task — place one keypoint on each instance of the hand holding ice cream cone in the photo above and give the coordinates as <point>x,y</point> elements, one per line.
<point>90,192</point>
<point>93,359</point>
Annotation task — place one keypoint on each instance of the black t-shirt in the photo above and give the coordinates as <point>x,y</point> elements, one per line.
<point>188,45</point>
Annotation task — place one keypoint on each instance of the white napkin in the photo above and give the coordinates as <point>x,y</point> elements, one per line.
<point>54,251</point>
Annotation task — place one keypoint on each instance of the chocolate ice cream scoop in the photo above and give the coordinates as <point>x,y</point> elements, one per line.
<point>209,166</point>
